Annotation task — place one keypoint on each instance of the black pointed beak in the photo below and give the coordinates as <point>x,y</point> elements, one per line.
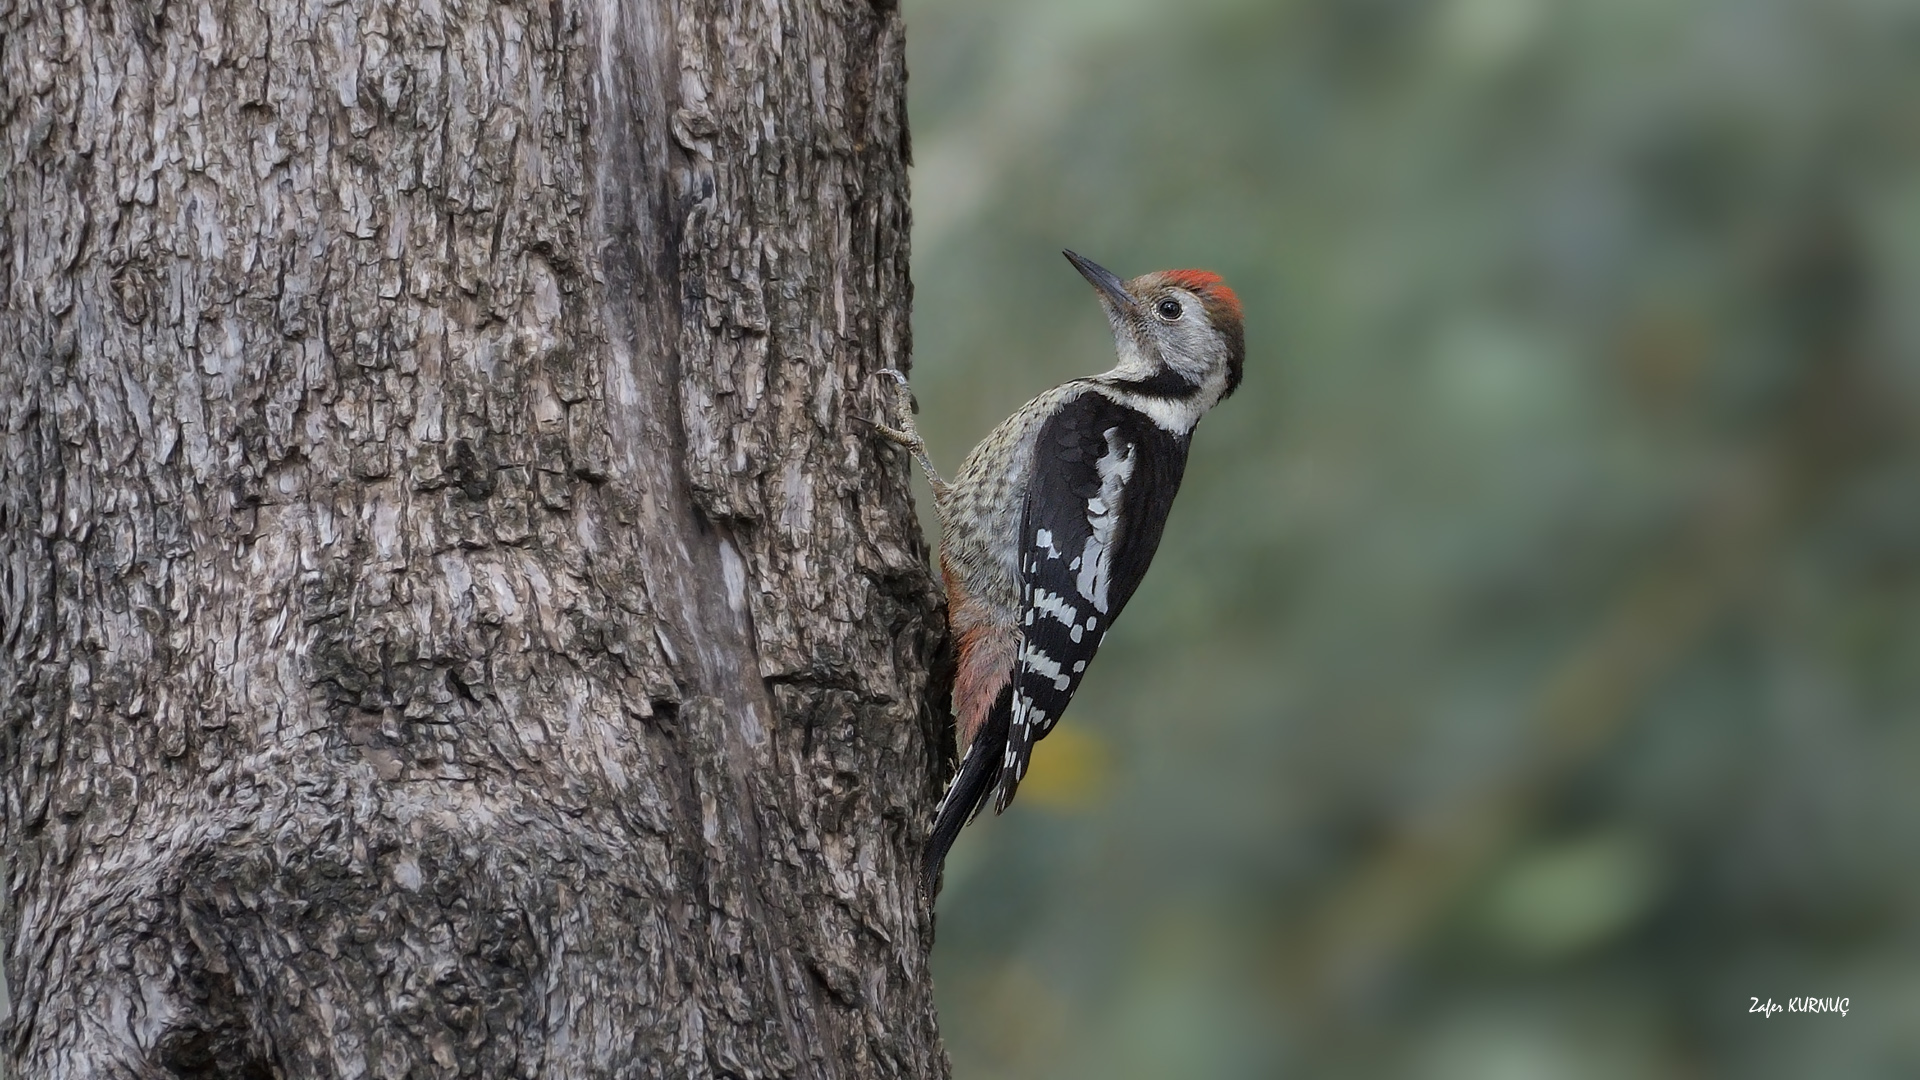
<point>1103,280</point>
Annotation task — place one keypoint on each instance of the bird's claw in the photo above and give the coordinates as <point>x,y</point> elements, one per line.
<point>895,435</point>
<point>907,435</point>
<point>907,406</point>
<point>891,434</point>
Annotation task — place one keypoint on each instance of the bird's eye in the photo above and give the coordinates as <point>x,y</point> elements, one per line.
<point>1168,309</point>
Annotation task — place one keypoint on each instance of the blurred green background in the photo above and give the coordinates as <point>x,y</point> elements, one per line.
<point>1529,675</point>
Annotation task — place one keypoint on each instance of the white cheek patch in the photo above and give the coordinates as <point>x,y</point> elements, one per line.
<point>1096,561</point>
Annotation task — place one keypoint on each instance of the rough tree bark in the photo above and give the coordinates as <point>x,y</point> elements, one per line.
<point>453,625</point>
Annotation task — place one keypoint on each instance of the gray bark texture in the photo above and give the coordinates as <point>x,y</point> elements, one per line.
<point>454,624</point>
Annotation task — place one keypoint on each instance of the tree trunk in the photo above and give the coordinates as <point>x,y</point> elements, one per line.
<point>453,625</point>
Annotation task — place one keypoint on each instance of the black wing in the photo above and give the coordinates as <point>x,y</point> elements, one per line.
<point>1104,479</point>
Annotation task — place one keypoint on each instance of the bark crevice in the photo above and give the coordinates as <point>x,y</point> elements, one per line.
<point>451,626</point>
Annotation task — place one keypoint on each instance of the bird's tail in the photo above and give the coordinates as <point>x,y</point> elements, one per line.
<point>968,792</point>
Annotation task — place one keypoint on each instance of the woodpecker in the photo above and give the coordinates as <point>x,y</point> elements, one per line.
<point>1050,524</point>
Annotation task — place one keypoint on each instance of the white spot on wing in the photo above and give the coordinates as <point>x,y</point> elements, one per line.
<point>1054,605</point>
<point>1039,663</point>
<point>1096,569</point>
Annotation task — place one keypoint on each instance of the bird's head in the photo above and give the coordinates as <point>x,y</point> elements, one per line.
<point>1178,332</point>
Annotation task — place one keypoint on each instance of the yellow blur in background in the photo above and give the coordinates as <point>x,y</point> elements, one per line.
<point>1529,675</point>
<point>1069,771</point>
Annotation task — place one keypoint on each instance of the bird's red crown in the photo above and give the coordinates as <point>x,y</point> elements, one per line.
<point>1207,285</point>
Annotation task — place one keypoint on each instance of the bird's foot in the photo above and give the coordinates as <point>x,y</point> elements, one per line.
<point>907,435</point>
